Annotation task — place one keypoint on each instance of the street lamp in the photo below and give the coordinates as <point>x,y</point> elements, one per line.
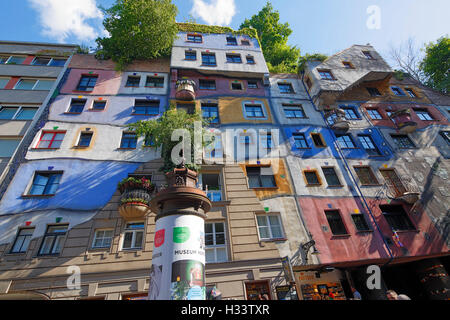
<point>307,246</point>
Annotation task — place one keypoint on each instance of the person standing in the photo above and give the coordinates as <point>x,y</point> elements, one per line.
<point>356,294</point>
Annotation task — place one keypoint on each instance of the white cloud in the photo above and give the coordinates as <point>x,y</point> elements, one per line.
<point>61,19</point>
<point>216,12</point>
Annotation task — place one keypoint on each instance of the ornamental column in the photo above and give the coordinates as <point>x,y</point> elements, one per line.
<point>178,263</point>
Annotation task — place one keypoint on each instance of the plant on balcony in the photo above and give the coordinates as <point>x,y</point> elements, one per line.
<point>134,184</point>
<point>134,201</point>
<point>161,130</point>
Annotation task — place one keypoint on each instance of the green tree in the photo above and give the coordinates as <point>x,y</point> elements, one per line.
<point>160,130</point>
<point>310,57</point>
<point>436,65</point>
<point>274,36</point>
<point>139,30</point>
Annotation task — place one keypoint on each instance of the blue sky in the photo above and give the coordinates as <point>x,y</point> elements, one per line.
<point>325,26</point>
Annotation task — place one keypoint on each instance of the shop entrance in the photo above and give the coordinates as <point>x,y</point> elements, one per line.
<point>403,280</point>
<point>256,290</point>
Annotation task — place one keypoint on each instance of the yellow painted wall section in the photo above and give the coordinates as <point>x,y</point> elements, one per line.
<point>281,178</point>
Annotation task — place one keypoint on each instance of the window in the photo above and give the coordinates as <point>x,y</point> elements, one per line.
<point>85,139</point>
<point>146,107</point>
<point>26,113</point>
<point>236,86</point>
<point>209,59</point>
<point>411,92</point>
<point>129,140</point>
<point>77,105</point>
<point>8,147</point>
<point>366,176</point>
<point>194,38</point>
<point>133,236</point>
<point>87,83</point>
<point>133,81</point>
<point>348,65</point>
<point>8,113</point>
<point>285,88</point>
<point>368,55</point>
<point>360,222</point>
<point>4,82</point>
<point>58,62</point>
<point>318,140</point>
<point>207,84</point>
<point>260,177</point>
<point>41,61</point>
<point>374,92</point>
<point>44,85</point>
<point>402,141</point>
<point>53,240</point>
<point>300,141</point>
<point>3,59</point>
<point>252,84</point>
<point>350,113</point>
<point>335,221</point>
<point>446,135</point>
<point>245,42</point>
<point>51,140</point>
<point>188,108</point>
<point>293,111</point>
<point>254,111</point>
<point>215,242</point>
<point>423,114</point>
<point>45,183</point>
<point>269,227</point>
<point>22,240</point>
<point>211,111</point>
<point>250,60</point>
<point>155,82</point>
<point>190,55</point>
<point>331,177</point>
<point>374,114</point>
<point>312,178</point>
<point>345,141</point>
<point>326,74</point>
<point>211,185</point>
<point>397,91</point>
<point>368,145</point>
<point>25,84</point>
<point>231,41</point>
<point>16,60</point>
<point>396,217</point>
<point>102,239</point>
<point>393,182</point>
<point>234,58</point>
<point>99,105</point>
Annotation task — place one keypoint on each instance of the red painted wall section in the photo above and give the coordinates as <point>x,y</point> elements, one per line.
<point>12,83</point>
<point>108,82</point>
<point>439,119</point>
<point>223,85</point>
<point>29,60</point>
<point>359,246</point>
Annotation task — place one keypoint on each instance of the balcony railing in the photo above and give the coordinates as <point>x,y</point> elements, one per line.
<point>185,90</point>
<point>402,119</point>
<point>337,120</point>
<point>402,188</point>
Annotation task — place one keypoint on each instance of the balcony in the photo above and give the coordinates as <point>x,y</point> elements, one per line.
<point>336,118</point>
<point>402,188</point>
<point>402,119</point>
<point>185,90</point>
<point>135,199</point>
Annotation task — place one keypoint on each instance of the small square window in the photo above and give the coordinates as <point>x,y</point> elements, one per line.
<point>366,176</point>
<point>348,65</point>
<point>85,139</point>
<point>191,55</point>
<point>194,38</point>
<point>318,140</point>
<point>58,62</point>
<point>209,59</point>
<point>293,111</point>
<point>411,92</point>
<point>374,114</point>
<point>402,141</point>
<point>368,55</point>
<point>331,177</point>
<point>369,145</point>
<point>236,86</point>
<point>300,141</point>
<point>146,107</point>
<point>211,111</point>
<point>374,92</point>
<point>102,239</point>
<point>231,41</point>
<point>99,105</point>
<point>397,218</point>
<point>269,227</point>
<point>53,240</point>
<point>41,61</point>
<point>254,111</point>
<point>250,60</point>
<point>129,140</point>
<point>22,241</point>
<point>77,106</point>
<point>87,83</point>
<point>133,236</point>
<point>155,82</point>
<point>207,84</point>
<point>360,222</point>
<point>234,58</point>
<point>326,75</point>
<point>312,178</point>
<point>133,81</point>
<point>252,84</point>
<point>245,42</point>
<point>397,91</point>
<point>345,141</point>
<point>260,177</point>
<point>215,242</point>
<point>285,88</point>
<point>350,113</point>
<point>337,226</point>
<point>51,140</point>
<point>423,114</point>
<point>45,183</point>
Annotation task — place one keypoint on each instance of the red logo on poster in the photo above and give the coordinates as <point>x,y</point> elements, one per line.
<point>159,238</point>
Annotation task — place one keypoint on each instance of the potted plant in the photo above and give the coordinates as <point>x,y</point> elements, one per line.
<point>136,196</point>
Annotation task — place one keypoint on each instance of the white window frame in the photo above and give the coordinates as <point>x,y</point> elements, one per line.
<point>133,239</point>
<point>215,246</point>
<point>266,216</point>
<point>103,238</point>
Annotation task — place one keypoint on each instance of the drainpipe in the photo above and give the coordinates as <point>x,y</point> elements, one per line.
<point>338,148</point>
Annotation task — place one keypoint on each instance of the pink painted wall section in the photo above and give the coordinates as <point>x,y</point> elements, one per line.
<point>29,60</point>
<point>223,85</point>
<point>108,82</point>
<point>333,249</point>
<point>439,119</point>
<point>360,246</point>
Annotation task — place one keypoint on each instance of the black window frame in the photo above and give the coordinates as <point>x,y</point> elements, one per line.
<point>56,236</point>
<point>254,175</point>
<point>326,173</point>
<point>370,151</point>
<point>85,143</point>
<point>420,112</point>
<point>148,105</point>
<point>370,174</point>
<point>233,41</point>
<point>24,240</point>
<point>209,59</point>
<point>134,83</point>
<point>157,84</point>
<point>298,136</point>
<point>75,104</point>
<point>207,84</point>
<point>374,92</point>
<point>129,137</point>
<point>336,223</point>
<point>398,220</point>
<point>188,54</point>
<point>234,58</point>
<point>360,222</point>
<point>308,174</point>
<point>91,83</point>
<point>399,140</point>
<point>282,87</point>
